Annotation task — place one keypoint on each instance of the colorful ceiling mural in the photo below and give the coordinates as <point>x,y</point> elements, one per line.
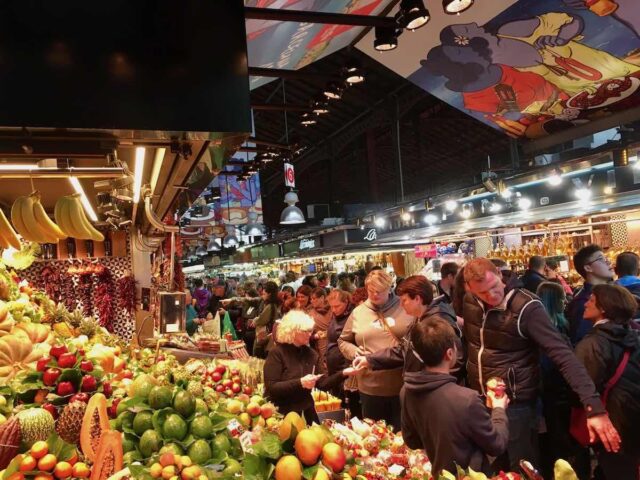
<point>528,67</point>
<point>290,45</point>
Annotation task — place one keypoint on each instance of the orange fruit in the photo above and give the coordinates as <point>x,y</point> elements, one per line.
<point>156,470</point>
<point>47,463</point>
<point>43,476</point>
<point>167,459</point>
<point>39,449</point>
<point>81,470</point>
<point>28,463</point>
<point>63,470</point>
<point>74,459</point>
<point>16,476</point>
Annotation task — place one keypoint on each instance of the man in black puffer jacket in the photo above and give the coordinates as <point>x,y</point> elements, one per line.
<point>504,332</point>
<point>416,295</point>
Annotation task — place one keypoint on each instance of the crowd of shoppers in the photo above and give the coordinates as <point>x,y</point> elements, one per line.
<point>422,356</point>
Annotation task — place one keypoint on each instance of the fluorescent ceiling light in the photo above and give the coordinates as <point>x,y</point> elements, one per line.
<point>379,222</point>
<point>157,165</point>
<point>451,205</point>
<point>137,176</point>
<point>7,167</point>
<point>83,198</point>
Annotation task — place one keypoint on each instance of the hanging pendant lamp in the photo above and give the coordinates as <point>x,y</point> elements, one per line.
<point>291,215</point>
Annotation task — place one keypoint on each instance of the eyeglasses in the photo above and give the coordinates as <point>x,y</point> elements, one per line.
<point>599,259</point>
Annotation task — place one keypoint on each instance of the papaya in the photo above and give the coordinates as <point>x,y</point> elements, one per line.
<point>95,424</point>
<point>108,460</point>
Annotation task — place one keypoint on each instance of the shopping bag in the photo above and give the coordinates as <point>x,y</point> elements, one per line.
<point>212,327</point>
<point>227,326</point>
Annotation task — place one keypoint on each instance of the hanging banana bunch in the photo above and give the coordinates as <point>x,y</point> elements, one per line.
<point>72,220</point>
<point>8,236</point>
<point>32,222</point>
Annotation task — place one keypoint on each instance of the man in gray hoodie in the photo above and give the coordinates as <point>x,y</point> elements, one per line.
<point>450,422</point>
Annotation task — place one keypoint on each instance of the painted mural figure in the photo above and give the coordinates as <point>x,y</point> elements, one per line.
<point>522,75</point>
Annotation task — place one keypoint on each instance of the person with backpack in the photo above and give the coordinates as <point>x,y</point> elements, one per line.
<point>611,354</point>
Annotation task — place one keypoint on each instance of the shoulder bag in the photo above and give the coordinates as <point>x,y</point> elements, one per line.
<point>578,423</point>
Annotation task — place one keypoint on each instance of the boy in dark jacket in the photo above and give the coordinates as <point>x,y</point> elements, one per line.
<point>450,422</point>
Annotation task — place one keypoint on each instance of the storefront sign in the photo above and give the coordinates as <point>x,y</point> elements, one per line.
<point>359,235</point>
<point>426,251</point>
<point>289,175</point>
<point>307,244</point>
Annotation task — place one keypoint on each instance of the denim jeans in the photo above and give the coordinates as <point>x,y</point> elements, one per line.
<point>523,437</point>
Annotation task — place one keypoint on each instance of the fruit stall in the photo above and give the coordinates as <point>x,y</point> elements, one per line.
<point>79,402</point>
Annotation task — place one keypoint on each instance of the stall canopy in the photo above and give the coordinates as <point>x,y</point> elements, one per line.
<point>529,68</point>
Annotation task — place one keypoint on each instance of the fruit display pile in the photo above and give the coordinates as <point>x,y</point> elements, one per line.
<point>75,403</point>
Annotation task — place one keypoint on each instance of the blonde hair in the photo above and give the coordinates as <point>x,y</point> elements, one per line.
<point>379,279</point>
<point>339,295</point>
<point>294,322</point>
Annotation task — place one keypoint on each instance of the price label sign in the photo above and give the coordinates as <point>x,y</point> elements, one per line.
<point>289,175</point>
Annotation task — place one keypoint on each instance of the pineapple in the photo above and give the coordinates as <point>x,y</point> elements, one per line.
<point>76,318</point>
<point>180,374</point>
<point>88,326</point>
<point>55,313</point>
<point>195,389</point>
<point>70,422</point>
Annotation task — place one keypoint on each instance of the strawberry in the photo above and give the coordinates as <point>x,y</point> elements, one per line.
<point>65,388</point>
<point>50,376</point>
<point>89,383</point>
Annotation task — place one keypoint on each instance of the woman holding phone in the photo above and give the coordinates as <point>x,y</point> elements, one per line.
<point>293,369</point>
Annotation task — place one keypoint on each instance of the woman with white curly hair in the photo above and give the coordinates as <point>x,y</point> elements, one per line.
<point>293,368</point>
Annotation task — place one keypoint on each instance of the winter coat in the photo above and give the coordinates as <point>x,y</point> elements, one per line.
<point>601,351</point>
<point>505,342</point>
<point>531,280</point>
<point>578,326</point>
<point>632,284</point>
<point>402,355</point>
<point>321,318</point>
<point>365,329</point>
<point>335,359</point>
<point>450,422</point>
<point>286,364</point>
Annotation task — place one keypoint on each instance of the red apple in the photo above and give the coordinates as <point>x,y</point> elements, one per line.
<point>247,390</point>
<point>89,383</point>
<point>236,379</point>
<point>58,350</point>
<point>65,388</point>
<point>216,376</point>
<point>160,358</point>
<point>80,397</point>
<point>81,352</point>
<point>236,388</point>
<point>66,360</point>
<point>221,369</point>
<point>41,366</point>
<point>86,366</point>
<point>219,388</point>
<point>227,383</point>
<point>267,410</point>
<point>50,376</point>
<point>51,409</point>
<point>107,389</point>
<point>235,372</point>
<point>253,409</point>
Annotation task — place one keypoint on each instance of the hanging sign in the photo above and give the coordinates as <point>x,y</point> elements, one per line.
<point>358,235</point>
<point>307,244</point>
<point>426,251</point>
<point>289,175</point>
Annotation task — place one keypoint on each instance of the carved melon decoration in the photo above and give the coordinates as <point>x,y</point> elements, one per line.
<point>95,424</point>
<point>35,332</point>
<point>6,322</point>
<point>16,354</point>
<point>109,457</point>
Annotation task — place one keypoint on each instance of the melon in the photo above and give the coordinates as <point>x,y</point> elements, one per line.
<point>35,424</point>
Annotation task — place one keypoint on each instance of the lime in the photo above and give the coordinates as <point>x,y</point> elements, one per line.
<point>125,420</point>
<point>201,406</point>
<point>122,407</point>
<point>232,466</point>
<point>202,427</point>
<point>222,443</point>
<point>174,427</point>
<point>184,403</point>
<point>142,422</point>
<point>172,448</point>
<point>142,385</point>
<point>150,443</point>
<point>160,397</point>
<point>199,452</point>
<point>131,457</point>
<point>129,443</point>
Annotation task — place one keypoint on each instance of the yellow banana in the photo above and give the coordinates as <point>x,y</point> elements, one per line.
<point>44,221</point>
<point>39,234</point>
<point>94,234</point>
<point>63,218</point>
<point>8,232</point>
<point>18,223</point>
